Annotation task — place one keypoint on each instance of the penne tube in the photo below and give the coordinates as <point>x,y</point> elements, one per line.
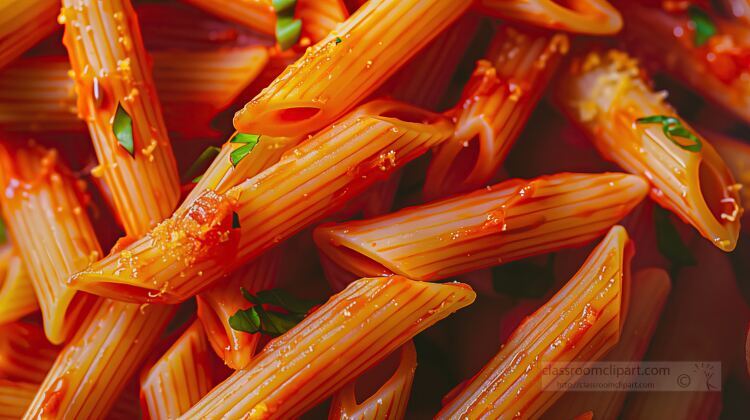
<point>318,17</point>
<point>333,345</point>
<point>38,89</point>
<point>17,298</point>
<point>346,66</point>
<point>736,154</point>
<point>179,378</point>
<point>388,402</point>
<point>23,24</point>
<point>114,340</point>
<point>14,398</point>
<point>592,17</point>
<point>199,244</point>
<point>508,221</point>
<point>648,294</point>
<point>222,299</point>
<point>25,353</point>
<point>495,104</point>
<point>580,323</point>
<point>633,126</point>
<point>715,67</point>
<point>425,79</point>
<point>116,93</point>
<point>45,212</point>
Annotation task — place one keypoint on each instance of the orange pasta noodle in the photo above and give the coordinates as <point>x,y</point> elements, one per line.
<point>424,80</point>
<point>648,294</point>
<point>113,84</point>
<point>25,353</point>
<point>45,212</point>
<point>319,17</point>
<point>179,378</point>
<point>736,154</point>
<point>508,221</point>
<point>199,244</point>
<point>92,369</point>
<point>36,94</point>
<point>14,398</point>
<point>595,17</point>
<point>580,323</point>
<point>606,96</point>
<point>351,332</point>
<point>23,24</point>
<point>494,107</point>
<point>388,402</point>
<point>220,301</point>
<point>717,68</point>
<point>17,298</point>
<point>346,66</point>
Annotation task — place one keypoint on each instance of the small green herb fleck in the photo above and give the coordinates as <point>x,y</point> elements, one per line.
<point>669,242</point>
<point>248,141</point>
<point>270,322</point>
<point>235,220</point>
<point>673,128</point>
<point>280,6</point>
<point>338,40</point>
<point>201,163</point>
<point>703,26</point>
<point>3,235</point>
<point>288,30</point>
<point>122,127</point>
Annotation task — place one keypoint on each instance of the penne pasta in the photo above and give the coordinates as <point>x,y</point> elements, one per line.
<point>45,211</point>
<point>179,378</point>
<point>508,221</point>
<point>581,322</point>
<point>332,346</point>
<point>118,101</point>
<point>23,24</point>
<point>199,244</point>
<point>25,353</point>
<point>114,340</point>
<point>494,107</point>
<point>346,66</point>
<point>17,298</point>
<point>593,17</point>
<point>220,301</point>
<point>388,402</point>
<point>633,126</point>
<point>14,398</point>
<point>648,294</point>
<point>716,67</point>
<point>736,154</point>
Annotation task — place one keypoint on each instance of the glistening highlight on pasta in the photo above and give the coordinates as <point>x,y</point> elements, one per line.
<point>373,209</point>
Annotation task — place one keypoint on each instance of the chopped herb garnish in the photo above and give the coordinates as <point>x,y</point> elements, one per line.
<point>270,322</point>
<point>122,127</point>
<point>669,242</point>
<point>524,279</point>
<point>3,235</point>
<point>338,40</point>
<point>288,29</point>
<point>248,142</point>
<point>703,26</point>
<point>673,128</point>
<point>200,164</point>
<point>235,220</point>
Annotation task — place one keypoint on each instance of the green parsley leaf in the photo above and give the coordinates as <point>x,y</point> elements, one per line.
<point>669,242</point>
<point>338,40</point>
<point>235,220</point>
<point>288,30</point>
<point>702,24</point>
<point>524,279</point>
<point>122,127</point>
<point>248,141</point>
<point>280,6</point>
<point>200,164</point>
<point>673,128</point>
<point>266,321</point>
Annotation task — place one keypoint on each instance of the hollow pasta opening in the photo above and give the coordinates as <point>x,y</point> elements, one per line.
<point>297,114</point>
<point>713,188</point>
<point>407,114</point>
<point>370,382</point>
